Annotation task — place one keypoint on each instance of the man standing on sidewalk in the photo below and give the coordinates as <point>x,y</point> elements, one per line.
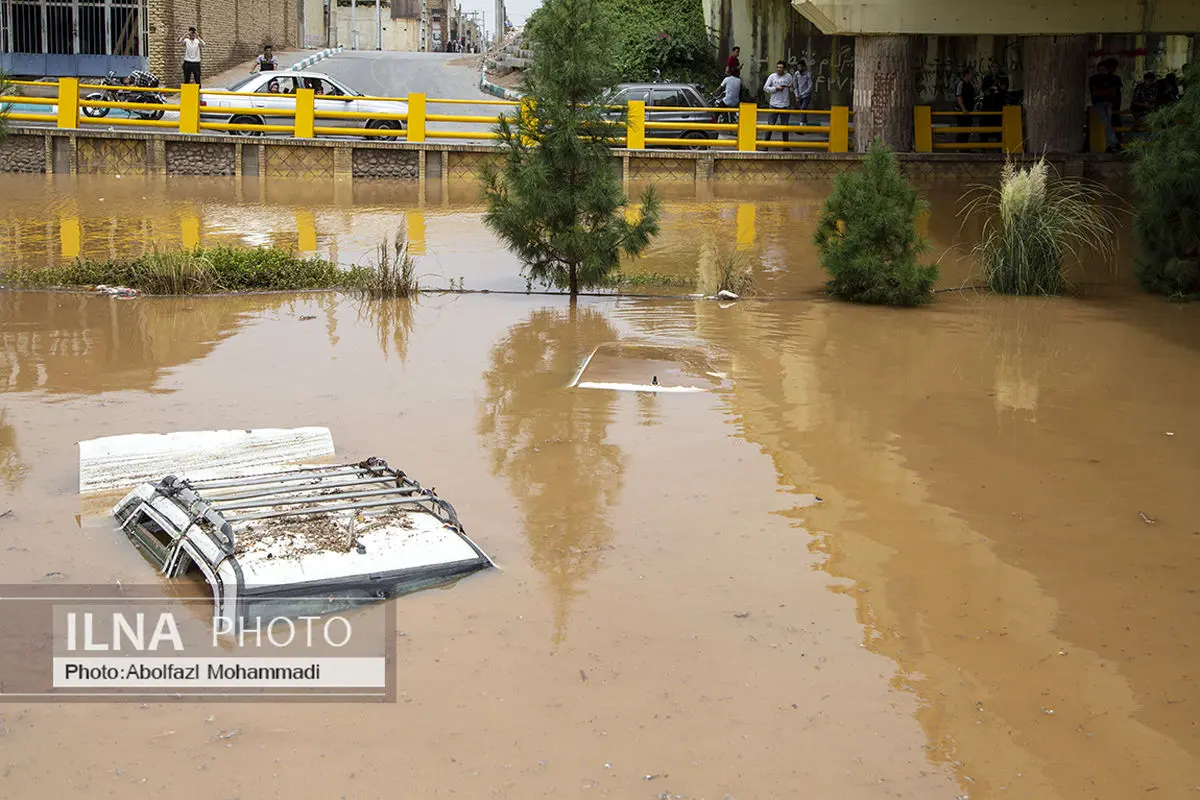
<point>802,88</point>
<point>778,89</point>
<point>193,46</point>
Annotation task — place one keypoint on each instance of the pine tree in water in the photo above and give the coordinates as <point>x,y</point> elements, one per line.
<point>556,199</point>
<point>867,236</point>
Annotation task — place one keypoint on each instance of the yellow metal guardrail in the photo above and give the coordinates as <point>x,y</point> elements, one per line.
<point>305,118</point>
<point>1009,131</point>
<point>1096,142</point>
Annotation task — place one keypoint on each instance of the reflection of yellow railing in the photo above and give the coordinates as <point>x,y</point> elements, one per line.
<point>1009,130</point>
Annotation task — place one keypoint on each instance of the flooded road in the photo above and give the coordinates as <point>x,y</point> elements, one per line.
<point>767,229</point>
<point>975,606</point>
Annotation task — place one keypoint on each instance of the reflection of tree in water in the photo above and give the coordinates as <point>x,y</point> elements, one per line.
<point>648,408</point>
<point>550,443</point>
<point>393,321</point>
<point>12,471</point>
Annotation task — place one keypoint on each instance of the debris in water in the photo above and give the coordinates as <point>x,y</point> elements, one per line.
<point>583,676</point>
<point>116,291</point>
<point>742,614</point>
<point>725,294</point>
<point>308,317</point>
<point>6,513</point>
<point>229,734</point>
<point>1146,518</point>
<point>1048,711</point>
<point>657,775</point>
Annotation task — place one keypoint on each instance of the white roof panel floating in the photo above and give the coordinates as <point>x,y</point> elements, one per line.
<point>649,367</point>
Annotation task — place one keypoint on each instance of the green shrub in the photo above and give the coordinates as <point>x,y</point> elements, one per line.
<point>1034,219</point>
<point>1166,181</point>
<point>667,35</point>
<point>7,90</point>
<point>200,270</point>
<point>867,237</point>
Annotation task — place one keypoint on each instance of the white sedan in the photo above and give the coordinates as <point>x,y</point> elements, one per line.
<point>332,95</point>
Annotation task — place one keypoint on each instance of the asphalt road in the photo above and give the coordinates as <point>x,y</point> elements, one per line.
<point>399,74</point>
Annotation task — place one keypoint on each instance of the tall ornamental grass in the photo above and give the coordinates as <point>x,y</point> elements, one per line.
<point>1033,221</point>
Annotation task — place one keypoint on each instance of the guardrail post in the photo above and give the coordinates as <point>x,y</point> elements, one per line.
<point>635,130</point>
<point>839,129</point>
<point>189,108</point>
<point>68,102</point>
<point>416,118</point>
<point>306,107</point>
<point>1096,141</point>
<point>747,133</point>
<point>923,129</point>
<point>528,114</point>
<point>1012,139</point>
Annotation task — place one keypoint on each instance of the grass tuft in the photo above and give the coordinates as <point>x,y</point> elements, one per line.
<point>394,273</point>
<point>1034,220</point>
<point>734,275</point>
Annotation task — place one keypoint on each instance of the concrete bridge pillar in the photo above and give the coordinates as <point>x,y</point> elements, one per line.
<point>1056,75</point>
<point>885,91</point>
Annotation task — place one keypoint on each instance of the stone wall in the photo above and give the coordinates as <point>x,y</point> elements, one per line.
<point>112,153</point>
<point>382,163</point>
<point>233,31</point>
<point>201,158</point>
<point>23,154</point>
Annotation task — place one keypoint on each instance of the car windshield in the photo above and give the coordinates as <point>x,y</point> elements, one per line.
<point>237,86</point>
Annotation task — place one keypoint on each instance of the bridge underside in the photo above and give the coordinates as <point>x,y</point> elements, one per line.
<point>865,53</point>
<point>1012,17</point>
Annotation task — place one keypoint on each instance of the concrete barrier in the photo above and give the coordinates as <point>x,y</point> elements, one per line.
<point>496,90</point>
<point>321,56</point>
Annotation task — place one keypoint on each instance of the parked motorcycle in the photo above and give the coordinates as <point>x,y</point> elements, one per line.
<point>118,91</point>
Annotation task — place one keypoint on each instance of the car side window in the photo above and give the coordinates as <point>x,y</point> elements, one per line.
<point>151,536</point>
<point>632,94</point>
<point>286,85</point>
<point>669,97</point>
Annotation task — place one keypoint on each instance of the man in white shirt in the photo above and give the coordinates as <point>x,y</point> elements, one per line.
<point>778,89</point>
<point>192,51</point>
<point>802,85</point>
<point>731,93</point>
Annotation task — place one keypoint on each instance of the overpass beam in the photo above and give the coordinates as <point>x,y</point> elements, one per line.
<point>1056,75</point>
<point>885,91</point>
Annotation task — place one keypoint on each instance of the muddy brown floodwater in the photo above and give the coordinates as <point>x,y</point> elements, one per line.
<point>976,605</point>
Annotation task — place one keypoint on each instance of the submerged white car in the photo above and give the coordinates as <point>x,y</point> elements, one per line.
<point>271,533</point>
<point>332,95</point>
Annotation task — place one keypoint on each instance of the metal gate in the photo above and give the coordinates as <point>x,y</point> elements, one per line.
<point>73,37</point>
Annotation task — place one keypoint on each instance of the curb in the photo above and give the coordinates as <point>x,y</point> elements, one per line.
<point>487,87</point>
<point>308,62</point>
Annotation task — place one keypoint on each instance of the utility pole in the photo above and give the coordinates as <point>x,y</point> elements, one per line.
<point>353,24</point>
<point>378,26</point>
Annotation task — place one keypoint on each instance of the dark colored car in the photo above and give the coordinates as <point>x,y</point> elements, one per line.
<point>667,96</point>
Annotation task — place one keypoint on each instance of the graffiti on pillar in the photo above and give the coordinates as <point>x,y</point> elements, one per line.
<point>832,70</point>
<point>937,77</point>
